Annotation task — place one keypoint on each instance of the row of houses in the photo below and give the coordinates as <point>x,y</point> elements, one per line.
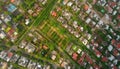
<point>21,60</point>
<point>5,29</point>
<point>36,47</point>
<point>94,20</point>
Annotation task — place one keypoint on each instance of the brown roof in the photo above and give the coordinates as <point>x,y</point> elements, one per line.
<point>104,59</point>
<point>89,59</point>
<point>115,52</point>
<point>118,45</point>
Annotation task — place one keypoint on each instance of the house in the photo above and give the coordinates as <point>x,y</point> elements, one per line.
<point>118,37</point>
<point>12,1</point>
<point>2,16</point>
<point>68,67</point>
<point>85,41</point>
<point>80,28</point>
<point>81,59</point>
<point>7,19</point>
<point>109,37</point>
<point>88,11</point>
<point>86,7</point>
<point>75,24</point>
<point>88,20</point>
<point>30,12</point>
<point>11,8</point>
<point>115,61</point>
<point>59,8</point>
<point>10,32</point>
<point>53,55</point>
<point>14,58</point>
<point>22,44</point>
<point>44,2</point>
<point>65,2</point>
<point>2,35</point>
<point>111,57</point>
<point>23,61</point>
<point>8,56</point>
<point>98,53</point>
<point>118,46</point>
<point>110,10</point>
<point>118,17</point>
<point>114,12</point>
<point>16,2</point>
<point>67,14</point>
<point>115,52</point>
<point>69,4</point>
<point>63,64</point>
<point>53,13</point>
<point>104,59</point>
<point>100,22</point>
<point>89,36</point>
<point>106,27</point>
<point>38,66</point>
<point>45,47</point>
<point>60,19</point>
<point>88,46</point>
<point>3,54</point>
<point>89,59</point>
<point>110,48</point>
<point>79,51</point>
<point>27,21</point>
<point>31,65</point>
<point>68,48</point>
<point>75,8</point>
<point>75,56</point>
<point>61,60</point>
<point>102,2</point>
<point>112,4</point>
<point>76,34</point>
<point>96,66</point>
<point>30,48</point>
<point>113,41</point>
<point>91,67</point>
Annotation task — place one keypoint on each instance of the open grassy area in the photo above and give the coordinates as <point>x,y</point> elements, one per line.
<point>39,19</point>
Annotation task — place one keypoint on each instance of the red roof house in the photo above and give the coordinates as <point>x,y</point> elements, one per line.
<point>104,59</point>
<point>80,61</point>
<point>96,67</point>
<point>10,54</point>
<point>54,13</point>
<point>98,53</point>
<point>118,45</point>
<point>118,16</point>
<point>86,7</point>
<point>12,1</point>
<point>113,41</point>
<point>89,59</point>
<point>74,56</point>
<point>115,52</point>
